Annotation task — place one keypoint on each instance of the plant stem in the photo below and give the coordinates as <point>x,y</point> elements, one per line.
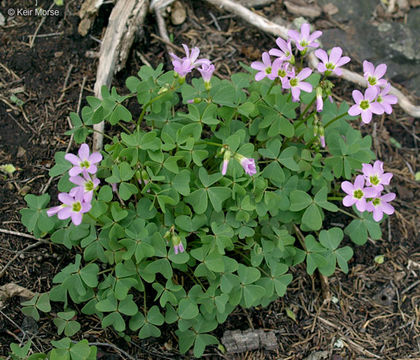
<point>338,198</point>
<point>209,143</point>
<point>103,134</point>
<point>301,119</point>
<point>347,213</point>
<point>334,120</point>
<point>124,128</point>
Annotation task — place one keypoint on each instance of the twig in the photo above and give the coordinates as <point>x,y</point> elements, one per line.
<point>167,42</point>
<point>162,27</point>
<point>127,355</point>
<point>65,83</point>
<point>21,234</point>
<point>31,44</point>
<point>265,25</point>
<point>17,123</point>
<point>22,331</point>
<point>413,285</point>
<point>29,247</point>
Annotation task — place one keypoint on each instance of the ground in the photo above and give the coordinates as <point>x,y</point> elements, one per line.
<point>375,309</point>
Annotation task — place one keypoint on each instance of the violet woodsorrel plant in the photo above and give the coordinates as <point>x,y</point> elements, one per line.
<point>206,200</point>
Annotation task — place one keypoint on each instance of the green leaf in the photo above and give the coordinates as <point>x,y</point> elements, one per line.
<point>171,164</point>
<point>248,275</point>
<point>312,217</point>
<point>201,341</point>
<point>43,303</point>
<point>287,158</point>
<point>126,190</point>
<point>187,309</point>
<point>198,200</point>
<point>331,238</point>
<point>149,330</point>
<point>181,182</point>
<point>120,113</point>
<point>299,200</point>
<point>252,294</point>
<point>61,164</point>
<point>154,316</point>
<point>343,256</point>
<point>217,195</point>
<point>214,262</point>
<point>89,275</point>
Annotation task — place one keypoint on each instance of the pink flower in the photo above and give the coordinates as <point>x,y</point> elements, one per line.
<point>379,206</point>
<point>357,193</point>
<point>85,162</point>
<point>366,105</point>
<point>265,69</point>
<point>248,164</point>
<point>319,100</point>
<point>296,84</point>
<point>386,100</point>
<point>304,38</point>
<point>332,63</point>
<point>280,69</point>
<point>73,206</point>
<point>285,52</point>
<point>375,175</point>
<point>185,65</point>
<point>373,75</point>
<point>177,243</point>
<point>226,159</point>
<point>86,186</point>
<point>206,71</point>
<point>322,140</point>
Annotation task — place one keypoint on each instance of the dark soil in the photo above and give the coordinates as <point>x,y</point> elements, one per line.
<point>375,309</point>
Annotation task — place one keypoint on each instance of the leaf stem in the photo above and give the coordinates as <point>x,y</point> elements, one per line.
<point>334,120</point>
<point>347,213</point>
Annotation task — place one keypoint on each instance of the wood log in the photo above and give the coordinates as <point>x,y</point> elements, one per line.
<point>125,19</point>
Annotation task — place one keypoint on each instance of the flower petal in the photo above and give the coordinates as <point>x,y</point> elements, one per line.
<point>304,73</point>
<point>361,205</point>
<point>321,55</point>
<point>305,86</point>
<point>76,218</point>
<point>335,54</point>
<point>344,60</point>
<point>359,182</point>
<point>349,201</point>
<point>354,110</point>
<point>388,197</point>
<point>368,67</point>
<point>347,187</point>
<point>378,214</point>
<point>380,71</point>
<point>371,93</point>
<point>366,116</point>
<point>357,96</point>
<point>83,152</point>
<point>95,158</point>
<point>72,158</point>
<point>64,213</point>
<point>266,59</point>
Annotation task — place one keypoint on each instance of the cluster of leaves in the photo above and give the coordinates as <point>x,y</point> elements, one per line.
<point>241,233</point>
<point>64,349</point>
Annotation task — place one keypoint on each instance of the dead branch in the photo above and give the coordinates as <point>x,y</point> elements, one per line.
<point>126,18</point>
<point>267,26</point>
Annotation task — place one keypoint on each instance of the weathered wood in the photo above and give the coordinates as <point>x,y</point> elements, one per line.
<point>126,18</point>
<point>241,341</point>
